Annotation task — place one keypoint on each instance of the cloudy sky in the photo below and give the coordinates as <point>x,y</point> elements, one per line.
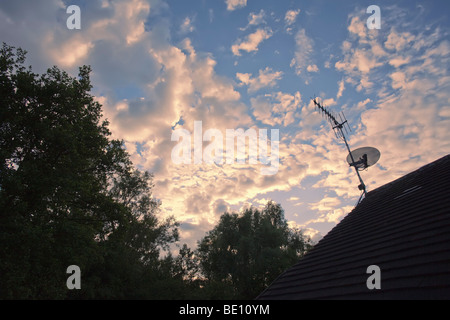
<point>159,66</point>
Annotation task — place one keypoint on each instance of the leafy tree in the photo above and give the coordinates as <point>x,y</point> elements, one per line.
<point>69,194</point>
<point>244,253</point>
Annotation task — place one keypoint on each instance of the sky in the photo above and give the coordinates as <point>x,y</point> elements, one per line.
<point>160,67</point>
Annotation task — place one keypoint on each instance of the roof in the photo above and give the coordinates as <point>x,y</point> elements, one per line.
<point>403,227</point>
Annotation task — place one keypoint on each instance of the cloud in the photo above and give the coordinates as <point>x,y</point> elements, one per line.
<point>312,68</point>
<point>187,26</point>
<point>211,15</point>
<point>277,108</point>
<point>71,52</point>
<point>251,42</point>
<point>403,129</point>
<point>291,16</point>
<point>255,19</point>
<point>235,4</point>
<point>303,52</point>
<point>361,60</point>
<point>341,88</point>
<point>365,54</point>
<point>398,41</point>
<point>331,215</point>
<point>399,61</point>
<point>266,78</point>
<point>326,204</point>
<point>445,112</point>
<point>357,27</point>
<point>362,104</point>
<point>220,207</point>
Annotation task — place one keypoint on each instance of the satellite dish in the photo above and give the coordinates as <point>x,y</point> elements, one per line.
<point>363,158</point>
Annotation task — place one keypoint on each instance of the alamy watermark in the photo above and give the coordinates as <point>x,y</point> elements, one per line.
<point>74,281</point>
<point>216,152</point>
<point>374,281</point>
<point>74,20</point>
<point>374,21</point>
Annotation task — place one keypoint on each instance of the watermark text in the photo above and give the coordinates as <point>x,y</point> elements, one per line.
<point>234,150</point>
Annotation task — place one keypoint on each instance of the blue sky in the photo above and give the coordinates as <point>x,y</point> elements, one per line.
<point>255,64</point>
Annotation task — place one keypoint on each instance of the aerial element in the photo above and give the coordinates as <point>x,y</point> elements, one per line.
<point>361,158</point>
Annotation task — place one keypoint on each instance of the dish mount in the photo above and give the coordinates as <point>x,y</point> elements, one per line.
<point>363,158</point>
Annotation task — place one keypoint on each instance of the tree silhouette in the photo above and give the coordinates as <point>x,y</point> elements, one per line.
<point>69,195</point>
<point>244,253</point>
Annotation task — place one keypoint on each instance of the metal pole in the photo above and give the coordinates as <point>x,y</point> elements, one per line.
<point>339,126</point>
<point>363,186</point>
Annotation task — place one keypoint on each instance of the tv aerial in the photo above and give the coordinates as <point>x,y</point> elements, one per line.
<point>361,158</point>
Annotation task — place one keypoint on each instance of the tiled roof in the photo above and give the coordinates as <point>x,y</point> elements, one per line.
<point>403,227</point>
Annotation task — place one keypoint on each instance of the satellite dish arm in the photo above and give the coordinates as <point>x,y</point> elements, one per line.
<point>362,186</point>
<point>362,162</point>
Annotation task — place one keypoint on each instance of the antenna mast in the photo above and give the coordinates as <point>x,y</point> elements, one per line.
<point>340,128</point>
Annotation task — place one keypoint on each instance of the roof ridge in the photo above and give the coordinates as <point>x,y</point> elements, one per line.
<point>411,174</point>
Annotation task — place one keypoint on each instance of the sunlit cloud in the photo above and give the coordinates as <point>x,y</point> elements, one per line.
<point>235,4</point>
<point>303,54</point>
<point>255,19</point>
<point>291,16</point>
<point>251,42</point>
<point>265,78</point>
<point>187,26</point>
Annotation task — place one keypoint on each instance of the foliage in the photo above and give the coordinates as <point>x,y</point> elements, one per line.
<point>244,253</point>
<point>69,194</point>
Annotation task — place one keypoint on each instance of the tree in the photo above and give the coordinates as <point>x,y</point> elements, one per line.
<point>69,195</point>
<point>244,253</point>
